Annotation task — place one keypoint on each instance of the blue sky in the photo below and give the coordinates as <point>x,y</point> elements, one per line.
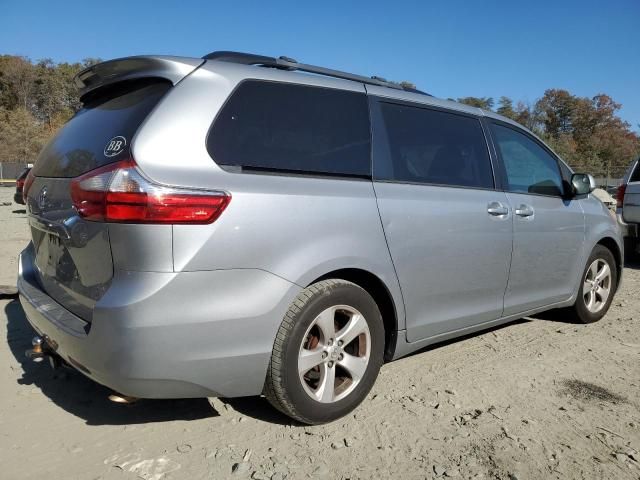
<point>450,48</point>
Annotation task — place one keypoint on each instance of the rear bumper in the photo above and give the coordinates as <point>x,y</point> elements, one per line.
<point>168,335</point>
<point>17,198</point>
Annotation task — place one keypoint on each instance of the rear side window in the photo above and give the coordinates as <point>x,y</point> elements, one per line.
<point>435,147</point>
<point>635,176</point>
<point>272,126</point>
<point>529,167</point>
<point>101,132</point>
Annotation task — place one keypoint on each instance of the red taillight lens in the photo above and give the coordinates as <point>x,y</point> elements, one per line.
<point>620,195</point>
<point>20,183</point>
<point>27,184</point>
<point>119,193</point>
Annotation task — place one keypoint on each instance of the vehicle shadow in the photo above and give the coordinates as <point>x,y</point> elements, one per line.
<point>19,211</point>
<point>260,409</point>
<point>84,398</point>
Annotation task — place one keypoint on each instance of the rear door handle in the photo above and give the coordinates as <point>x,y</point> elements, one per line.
<point>524,211</point>
<point>497,209</point>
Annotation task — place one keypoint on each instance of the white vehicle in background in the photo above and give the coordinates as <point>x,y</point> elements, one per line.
<point>628,209</point>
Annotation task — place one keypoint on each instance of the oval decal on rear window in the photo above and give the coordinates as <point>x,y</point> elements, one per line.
<point>115,146</point>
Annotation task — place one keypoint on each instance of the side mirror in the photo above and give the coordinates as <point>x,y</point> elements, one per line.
<point>582,183</point>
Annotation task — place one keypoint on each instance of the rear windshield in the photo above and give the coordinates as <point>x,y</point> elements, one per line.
<point>285,127</point>
<point>101,132</point>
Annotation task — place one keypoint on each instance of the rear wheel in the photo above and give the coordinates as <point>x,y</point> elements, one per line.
<point>598,285</point>
<point>327,353</point>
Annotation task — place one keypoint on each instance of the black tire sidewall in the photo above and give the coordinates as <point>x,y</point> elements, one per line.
<point>582,312</point>
<point>343,294</point>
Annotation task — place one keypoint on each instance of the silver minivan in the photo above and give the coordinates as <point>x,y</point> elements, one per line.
<point>241,225</point>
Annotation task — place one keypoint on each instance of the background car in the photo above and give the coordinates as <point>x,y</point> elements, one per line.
<point>628,210</point>
<point>20,181</point>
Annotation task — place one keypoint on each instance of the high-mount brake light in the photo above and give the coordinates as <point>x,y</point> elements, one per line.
<point>119,193</point>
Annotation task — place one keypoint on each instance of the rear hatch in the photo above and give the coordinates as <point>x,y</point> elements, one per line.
<point>73,256</point>
<point>631,202</point>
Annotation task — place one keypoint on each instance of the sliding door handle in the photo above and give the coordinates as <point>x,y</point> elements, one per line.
<point>524,210</point>
<point>497,209</point>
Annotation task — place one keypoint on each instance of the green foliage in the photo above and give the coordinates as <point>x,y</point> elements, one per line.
<point>36,99</point>
<point>587,133</point>
<point>21,135</point>
<point>486,103</point>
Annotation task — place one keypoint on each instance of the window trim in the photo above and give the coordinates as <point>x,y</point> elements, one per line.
<point>380,141</point>
<point>634,169</point>
<point>504,183</point>
<point>237,169</point>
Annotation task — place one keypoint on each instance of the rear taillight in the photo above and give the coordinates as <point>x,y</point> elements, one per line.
<point>20,183</point>
<point>119,193</point>
<point>27,184</point>
<point>620,195</point>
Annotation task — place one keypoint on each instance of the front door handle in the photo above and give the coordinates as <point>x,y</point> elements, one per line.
<point>497,209</point>
<point>524,211</point>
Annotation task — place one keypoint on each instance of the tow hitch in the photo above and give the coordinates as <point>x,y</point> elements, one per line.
<point>41,350</point>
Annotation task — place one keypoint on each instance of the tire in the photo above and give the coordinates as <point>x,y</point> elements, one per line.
<point>305,337</point>
<point>581,311</point>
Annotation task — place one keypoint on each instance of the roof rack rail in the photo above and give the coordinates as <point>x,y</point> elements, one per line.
<point>287,63</point>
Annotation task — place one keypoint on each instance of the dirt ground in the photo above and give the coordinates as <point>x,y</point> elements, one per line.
<point>539,398</point>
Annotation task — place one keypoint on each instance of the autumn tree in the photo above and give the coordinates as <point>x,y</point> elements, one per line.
<point>21,136</point>
<point>35,101</point>
<point>587,132</point>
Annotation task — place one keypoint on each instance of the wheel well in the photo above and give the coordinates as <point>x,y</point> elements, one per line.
<point>380,294</point>
<point>611,244</point>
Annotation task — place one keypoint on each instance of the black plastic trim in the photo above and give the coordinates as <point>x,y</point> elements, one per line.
<point>287,63</point>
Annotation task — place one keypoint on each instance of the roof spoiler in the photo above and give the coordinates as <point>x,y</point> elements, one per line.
<point>106,73</point>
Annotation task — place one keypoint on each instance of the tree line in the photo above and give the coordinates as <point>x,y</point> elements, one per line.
<point>37,98</point>
<point>587,133</point>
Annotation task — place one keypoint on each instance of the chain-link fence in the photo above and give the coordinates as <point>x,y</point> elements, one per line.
<point>606,182</point>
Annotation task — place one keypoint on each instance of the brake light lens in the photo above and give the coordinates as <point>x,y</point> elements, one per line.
<point>620,195</point>
<point>27,184</point>
<point>120,193</point>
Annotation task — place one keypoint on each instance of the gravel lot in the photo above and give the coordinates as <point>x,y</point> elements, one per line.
<point>539,398</point>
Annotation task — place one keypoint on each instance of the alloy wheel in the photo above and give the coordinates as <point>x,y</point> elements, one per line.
<point>334,354</point>
<point>596,287</point>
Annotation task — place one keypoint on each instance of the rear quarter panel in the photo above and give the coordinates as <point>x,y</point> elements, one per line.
<point>600,223</point>
<point>296,227</point>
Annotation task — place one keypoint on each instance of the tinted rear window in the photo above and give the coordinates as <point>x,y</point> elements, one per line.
<point>635,176</point>
<point>293,128</point>
<point>434,147</point>
<point>101,132</point>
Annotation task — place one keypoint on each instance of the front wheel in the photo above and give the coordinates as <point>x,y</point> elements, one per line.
<point>327,353</point>
<point>597,287</point>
